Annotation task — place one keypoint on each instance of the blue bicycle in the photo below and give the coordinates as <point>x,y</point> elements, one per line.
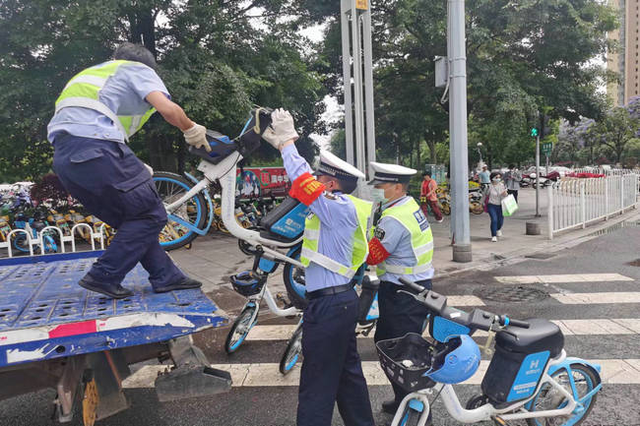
<point>529,377</point>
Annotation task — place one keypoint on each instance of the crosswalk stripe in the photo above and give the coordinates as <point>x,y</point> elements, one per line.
<point>614,371</point>
<point>561,278</point>
<point>597,298</point>
<point>569,328</point>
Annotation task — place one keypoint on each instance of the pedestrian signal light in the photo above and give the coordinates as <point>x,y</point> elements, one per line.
<point>534,132</point>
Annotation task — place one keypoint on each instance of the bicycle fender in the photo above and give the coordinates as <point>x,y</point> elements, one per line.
<point>209,203</point>
<point>573,360</point>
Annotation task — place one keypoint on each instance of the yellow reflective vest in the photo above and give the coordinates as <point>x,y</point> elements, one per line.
<point>83,90</point>
<point>421,240</point>
<point>360,252</point>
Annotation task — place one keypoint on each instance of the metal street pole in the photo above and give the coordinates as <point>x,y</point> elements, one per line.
<point>456,53</point>
<point>538,174</point>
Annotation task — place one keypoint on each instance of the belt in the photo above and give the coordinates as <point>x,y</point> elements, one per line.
<point>329,291</point>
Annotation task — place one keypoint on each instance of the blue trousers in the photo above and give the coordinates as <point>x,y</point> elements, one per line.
<point>331,370</point>
<point>399,314</point>
<point>495,212</point>
<point>113,184</point>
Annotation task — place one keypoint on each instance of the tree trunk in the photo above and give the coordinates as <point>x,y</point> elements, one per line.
<point>143,30</point>
<point>432,151</point>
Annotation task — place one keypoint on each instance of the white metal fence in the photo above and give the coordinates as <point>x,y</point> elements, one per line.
<point>607,172</point>
<point>36,243</point>
<point>575,203</point>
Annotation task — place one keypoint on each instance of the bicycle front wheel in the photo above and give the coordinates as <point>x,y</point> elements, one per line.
<point>294,282</point>
<point>293,351</point>
<point>171,187</point>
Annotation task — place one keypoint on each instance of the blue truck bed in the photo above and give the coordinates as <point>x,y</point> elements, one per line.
<point>44,314</point>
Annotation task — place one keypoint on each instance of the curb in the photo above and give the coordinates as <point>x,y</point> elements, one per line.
<point>487,264</point>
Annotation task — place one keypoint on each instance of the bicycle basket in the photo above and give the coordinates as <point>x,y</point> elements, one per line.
<point>405,360</point>
<point>248,283</point>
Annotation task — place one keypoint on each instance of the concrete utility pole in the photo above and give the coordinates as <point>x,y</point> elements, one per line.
<point>357,69</point>
<point>459,172</point>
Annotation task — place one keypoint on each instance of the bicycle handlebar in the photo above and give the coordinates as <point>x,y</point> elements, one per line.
<point>478,318</point>
<point>505,320</point>
<point>412,285</point>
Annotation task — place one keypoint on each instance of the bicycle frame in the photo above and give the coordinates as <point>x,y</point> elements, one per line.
<point>225,173</point>
<point>488,411</point>
<point>265,294</point>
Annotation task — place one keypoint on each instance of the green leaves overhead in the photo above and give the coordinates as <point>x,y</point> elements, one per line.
<point>217,58</point>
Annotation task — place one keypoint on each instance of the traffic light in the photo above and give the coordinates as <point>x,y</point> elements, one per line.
<point>534,132</point>
<point>546,126</point>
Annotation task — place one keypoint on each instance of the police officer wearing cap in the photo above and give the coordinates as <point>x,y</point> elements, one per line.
<point>96,113</point>
<point>334,247</point>
<point>401,246</point>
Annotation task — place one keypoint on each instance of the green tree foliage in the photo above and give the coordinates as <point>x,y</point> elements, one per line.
<point>615,131</point>
<point>522,57</point>
<point>217,58</point>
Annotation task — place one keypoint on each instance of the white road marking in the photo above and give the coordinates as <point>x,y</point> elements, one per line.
<point>597,298</point>
<point>569,327</point>
<point>561,278</point>
<point>614,371</point>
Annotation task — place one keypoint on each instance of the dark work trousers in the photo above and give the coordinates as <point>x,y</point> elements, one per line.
<point>399,314</point>
<point>331,370</point>
<point>497,218</point>
<point>114,185</point>
<point>513,192</point>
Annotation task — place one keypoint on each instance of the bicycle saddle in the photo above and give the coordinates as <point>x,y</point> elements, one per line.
<point>542,335</point>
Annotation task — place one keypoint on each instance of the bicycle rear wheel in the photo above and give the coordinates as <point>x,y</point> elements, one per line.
<point>549,398</point>
<point>171,187</point>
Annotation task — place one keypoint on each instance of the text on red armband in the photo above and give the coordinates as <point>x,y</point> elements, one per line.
<point>306,189</point>
<point>377,252</point>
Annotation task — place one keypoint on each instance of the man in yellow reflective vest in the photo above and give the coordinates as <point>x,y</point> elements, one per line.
<point>401,246</point>
<point>96,113</point>
<point>334,247</point>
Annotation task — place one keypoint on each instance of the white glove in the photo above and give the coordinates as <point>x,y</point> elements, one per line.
<point>196,136</point>
<point>149,168</point>
<point>282,128</point>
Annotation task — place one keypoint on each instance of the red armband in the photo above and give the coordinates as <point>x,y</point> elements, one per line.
<point>306,189</point>
<point>377,252</point>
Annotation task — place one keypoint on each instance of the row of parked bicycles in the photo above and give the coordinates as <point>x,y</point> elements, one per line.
<point>32,226</point>
<point>475,199</point>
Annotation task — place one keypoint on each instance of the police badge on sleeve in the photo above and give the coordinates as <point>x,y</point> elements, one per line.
<point>422,220</point>
<point>379,233</point>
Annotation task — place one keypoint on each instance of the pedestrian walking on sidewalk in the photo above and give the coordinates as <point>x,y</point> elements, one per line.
<point>485,179</point>
<point>494,195</point>
<point>512,180</point>
<point>428,196</point>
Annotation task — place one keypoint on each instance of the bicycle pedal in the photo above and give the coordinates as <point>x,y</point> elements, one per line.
<point>499,421</point>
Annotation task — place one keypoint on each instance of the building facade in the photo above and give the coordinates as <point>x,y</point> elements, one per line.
<point>625,61</point>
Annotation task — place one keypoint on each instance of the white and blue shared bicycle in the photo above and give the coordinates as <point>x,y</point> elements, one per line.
<point>529,377</point>
<point>277,240</point>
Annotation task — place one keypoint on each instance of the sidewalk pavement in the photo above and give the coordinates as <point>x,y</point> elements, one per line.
<point>514,244</point>
<point>215,257</point>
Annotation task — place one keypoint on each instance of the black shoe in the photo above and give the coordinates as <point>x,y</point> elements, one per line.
<point>390,406</point>
<point>183,284</point>
<point>115,291</point>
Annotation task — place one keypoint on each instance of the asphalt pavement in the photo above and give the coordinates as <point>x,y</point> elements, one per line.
<point>600,315</point>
